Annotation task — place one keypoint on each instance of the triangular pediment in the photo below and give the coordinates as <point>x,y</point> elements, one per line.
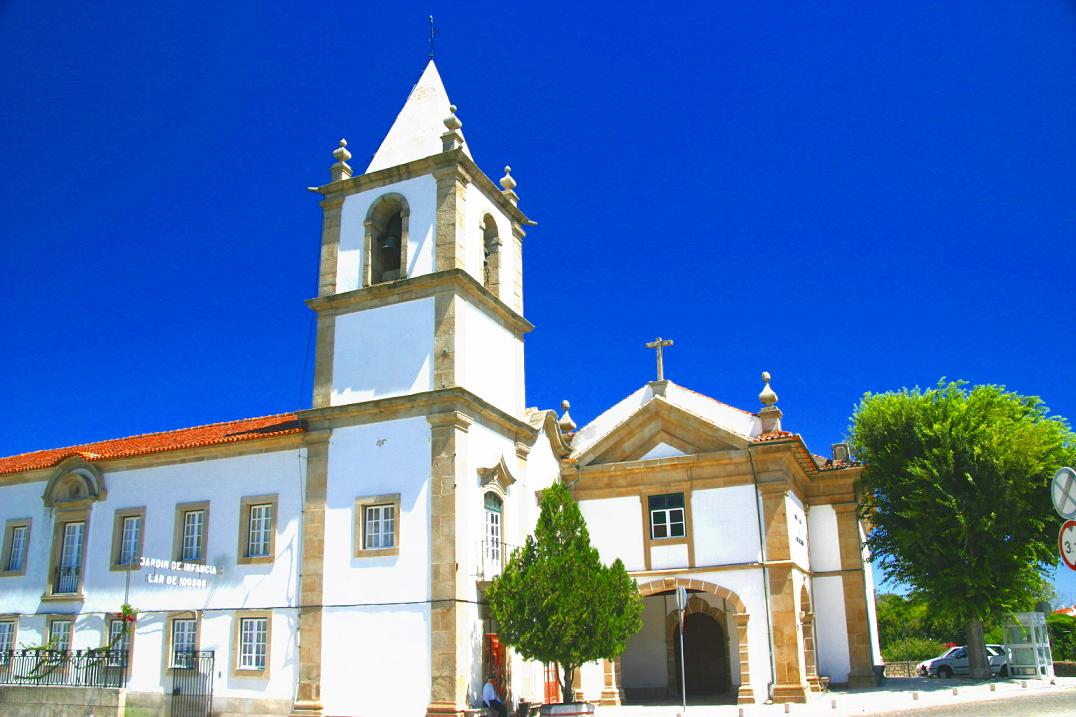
<point>660,429</point>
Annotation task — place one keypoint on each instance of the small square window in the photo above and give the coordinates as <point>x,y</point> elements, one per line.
<point>667,517</point>
<point>252,640</point>
<point>127,533</point>
<point>257,529</point>
<point>15,546</point>
<point>377,526</point>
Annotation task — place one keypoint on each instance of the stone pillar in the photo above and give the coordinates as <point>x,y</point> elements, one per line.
<point>451,220</point>
<point>745,696</point>
<point>612,693</point>
<point>809,656</point>
<point>308,692</point>
<point>790,685</point>
<point>855,597</point>
<point>326,324</point>
<point>448,688</point>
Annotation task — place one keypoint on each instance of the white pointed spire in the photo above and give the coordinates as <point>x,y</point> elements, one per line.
<point>417,131</point>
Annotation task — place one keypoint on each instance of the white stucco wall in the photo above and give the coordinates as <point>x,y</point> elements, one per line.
<point>663,557</point>
<point>616,529</point>
<point>421,196</point>
<point>645,663</point>
<point>725,526</point>
<point>825,550</point>
<point>387,351</point>
<point>831,628</point>
<point>489,358</point>
<point>797,531</point>
<point>478,205</point>
<point>223,483</point>
<point>376,628</point>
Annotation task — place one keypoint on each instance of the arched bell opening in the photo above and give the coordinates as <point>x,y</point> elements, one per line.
<point>386,240</point>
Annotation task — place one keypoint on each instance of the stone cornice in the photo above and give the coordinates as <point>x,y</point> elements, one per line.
<point>335,191</point>
<point>430,404</point>
<point>421,287</point>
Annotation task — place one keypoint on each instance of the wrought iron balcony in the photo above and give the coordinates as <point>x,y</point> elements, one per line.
<point>79,668</point>
<point>66,580</point>
<point>493,554</point>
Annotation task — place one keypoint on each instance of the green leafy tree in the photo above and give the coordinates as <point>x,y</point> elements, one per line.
<point>956,489</point>
<point>555,601</point>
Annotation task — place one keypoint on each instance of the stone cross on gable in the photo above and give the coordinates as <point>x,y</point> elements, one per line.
<point>658,344</point>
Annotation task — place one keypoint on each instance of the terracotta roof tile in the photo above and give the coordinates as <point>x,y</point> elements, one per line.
<point>215,434</point>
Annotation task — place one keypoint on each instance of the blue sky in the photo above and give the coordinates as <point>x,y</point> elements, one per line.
<point>853,196</point>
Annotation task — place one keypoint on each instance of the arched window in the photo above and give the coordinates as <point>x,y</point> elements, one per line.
<point>491,255</point>
<point>492,544</point>
<point>386,240</point>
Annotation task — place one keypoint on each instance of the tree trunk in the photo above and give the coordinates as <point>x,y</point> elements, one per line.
<point>567,675</point>
<point>978,666</point>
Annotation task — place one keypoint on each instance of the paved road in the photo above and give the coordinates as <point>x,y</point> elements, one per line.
<point>1045,705</point>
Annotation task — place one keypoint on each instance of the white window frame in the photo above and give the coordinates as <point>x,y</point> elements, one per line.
<point>130,539</point>
<point>124,644</point>
<point>665,518</point>
<point>16,554</point>
<point>253,643</point>
<point>192,537</point>
<point>7,639</point>
<point>379,532</point>
<point>260,530</point>
<point>66,642</point>
<point>189,640</point>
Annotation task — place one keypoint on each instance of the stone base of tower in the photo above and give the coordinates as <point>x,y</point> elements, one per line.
<point>863,678</point>
<point>445,709</point>
<point>790,693</point>
<point>745,695</point>
<point>306,708</point>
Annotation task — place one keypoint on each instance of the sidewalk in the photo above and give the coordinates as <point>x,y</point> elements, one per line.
<point>895,694</point>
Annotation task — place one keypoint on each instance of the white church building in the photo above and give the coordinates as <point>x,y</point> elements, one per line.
<point>334,561</point>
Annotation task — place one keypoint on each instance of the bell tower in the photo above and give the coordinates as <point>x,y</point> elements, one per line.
<point>418,389</point>
<point>421,268</point>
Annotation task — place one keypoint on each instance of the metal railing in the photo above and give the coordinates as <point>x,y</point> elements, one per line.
<point>66,581</point>
<point>77,668</point>
<point>493,554</point>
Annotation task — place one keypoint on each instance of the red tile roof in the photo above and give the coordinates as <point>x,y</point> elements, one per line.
<point>818,462</point>
<point>215,434</point>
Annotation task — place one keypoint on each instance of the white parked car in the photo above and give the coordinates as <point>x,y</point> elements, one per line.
<point>954,661</point>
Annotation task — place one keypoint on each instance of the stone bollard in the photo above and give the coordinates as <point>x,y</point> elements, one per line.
<point>954,692</point>
<point>788,707</point>
<point>833,704</point>
<point>1023,684</point>
<point>993,687</point>
<point>915,695</point>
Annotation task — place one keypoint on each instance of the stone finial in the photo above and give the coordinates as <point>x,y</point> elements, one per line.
<point>768,397</point>
<point>341,170</point>
<point>452,122</point>
<point>566,423</point>
<point>509,184</point>
<point>770,415</point>
<point>452,138</point>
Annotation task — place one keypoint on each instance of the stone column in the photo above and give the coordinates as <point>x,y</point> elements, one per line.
<point>612,693</point>
<point>855,597</point>
<point>448,688</point>
<point>807,626</point>
<point>790,684</point>
<point>326,324</point>
<point>745,695</point>
<point>308,693</point>
<point>451,227</point>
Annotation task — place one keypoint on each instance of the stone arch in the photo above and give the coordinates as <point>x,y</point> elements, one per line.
<point>385,240</point>
<point>745,695</point>
<point>810,657</point>
<point>74,482</point>
<point>491,255</point>
<point>695,606</point>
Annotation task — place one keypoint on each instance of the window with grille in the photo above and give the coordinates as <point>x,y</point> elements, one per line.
<point>17,548</point>
<point>261,525</point>
<point>380,527</point>
<point>494,507</point>
<point>70,557</point>
<point>184,641</point>
<point>7,639</point>
<point>60,635</point>
<point>667,516</point>
<point>253,633</point>
<point>193,531</point>
<point>119,642</point>
<point>129,540</point>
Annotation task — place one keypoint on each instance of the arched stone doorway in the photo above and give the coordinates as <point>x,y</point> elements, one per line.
<point>706,668</point>
<point>727,614</point>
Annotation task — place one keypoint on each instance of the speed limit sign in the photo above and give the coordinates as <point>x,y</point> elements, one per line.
<point>1066,543</point>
